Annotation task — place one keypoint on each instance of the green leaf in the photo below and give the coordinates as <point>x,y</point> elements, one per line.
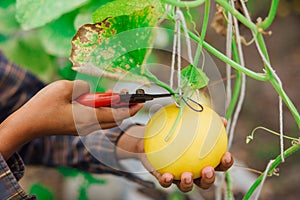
<point>41,192</point>
<point>115,46</point>
<point>195,77</point>
<point>121,7</point>
<point>72,173</point>
<point>33,13</point>
<point>65,70</point>
<point>7,3</point>
<point>28,52</point>
<point>8,22</point>
<point>84,16</point>
<point>56,36</point>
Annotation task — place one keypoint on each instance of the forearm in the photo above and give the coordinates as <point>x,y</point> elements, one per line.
<point>130,143</point>
<point>98,152</point>
<point>13,135</point>
<point>94,153</point>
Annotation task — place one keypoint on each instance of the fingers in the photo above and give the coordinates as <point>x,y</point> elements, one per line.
<point>207,178</point>
<point>118,114</point>
<point>108,125</point>
<point>165,180</point>
<point>208,173</point>
<point>186,183</point>
<point>226,162</point>
<point>79,88</point>
<point>225,122</point>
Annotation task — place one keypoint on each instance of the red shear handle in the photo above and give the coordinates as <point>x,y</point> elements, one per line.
<point>99,99</point>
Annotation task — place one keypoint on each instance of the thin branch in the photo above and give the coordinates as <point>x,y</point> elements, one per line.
<point>203,32</point>
<point>276,162</point>
<point>189,4</point>
<point>243,82</point>
<point>252,26</point>
<point>272,13</point>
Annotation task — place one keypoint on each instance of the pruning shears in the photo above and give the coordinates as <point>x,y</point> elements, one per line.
<point>117,100</point>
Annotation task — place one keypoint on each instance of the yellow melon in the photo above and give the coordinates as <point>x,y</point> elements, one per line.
<point>198,140</point>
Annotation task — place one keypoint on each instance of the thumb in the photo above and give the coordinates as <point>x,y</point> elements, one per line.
<point>79,88</point>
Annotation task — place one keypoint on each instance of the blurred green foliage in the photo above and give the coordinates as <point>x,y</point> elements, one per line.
<point>37,34</point>
<point>41,192</point>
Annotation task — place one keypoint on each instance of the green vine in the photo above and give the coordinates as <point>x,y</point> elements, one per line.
<point>267,76</point>
<point>237,86</point>
<point>140,14</point>
<point>271,16</point>
<point>229,185</point>
<point>275,164</point>
<point>251,136</point>
<point>203,32</point>
<point>189,4</point>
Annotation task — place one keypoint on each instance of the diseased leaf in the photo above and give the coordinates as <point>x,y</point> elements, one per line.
<point>33,14</point>
<point>195,77</point>
<point>121,7</point>
<point>115,47</point>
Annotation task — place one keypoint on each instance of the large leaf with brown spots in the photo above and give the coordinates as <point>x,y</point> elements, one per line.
<point>116,47</point>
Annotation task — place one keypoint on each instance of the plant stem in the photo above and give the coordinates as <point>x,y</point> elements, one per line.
<point>272,13</point>
<point>276,84</point>
<point>262,46</point>
<point>179,115</point>
<point>277,161</point>
<point>153,78</point>
<point>286,100</point>
<point>252,26</point>
<point>203,32</point>
<point>229,185</point>
<point>270,131</point>
<point>237,86</point>
<point>189,4</point>
<point>224,58</point>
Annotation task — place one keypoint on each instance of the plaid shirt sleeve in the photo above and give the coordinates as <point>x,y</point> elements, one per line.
<point>10,172</point>
<point>17,86</point>
<point>94,153</point>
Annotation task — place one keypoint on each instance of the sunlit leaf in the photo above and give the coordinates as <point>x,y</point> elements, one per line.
<point>56,36</point>
<point>8,22</point>
<point>33,13</point>
<point>7,3</point>
<point>84,16</point>
<point>195,77</point>
<point>121,7</point>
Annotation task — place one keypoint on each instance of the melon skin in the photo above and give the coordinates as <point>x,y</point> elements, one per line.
<point>198,140</point>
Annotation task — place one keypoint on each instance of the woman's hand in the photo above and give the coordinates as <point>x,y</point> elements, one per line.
<point>131,145</point>
<point>54,111</point>
<point>186,183</point>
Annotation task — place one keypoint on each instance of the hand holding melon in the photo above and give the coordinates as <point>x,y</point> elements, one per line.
<point>133,142</point>
<point>197,145</point>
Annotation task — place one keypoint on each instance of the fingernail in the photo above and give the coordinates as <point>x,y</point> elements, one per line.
<point>209,174</point>
<point>188,180</point>
<point>168,179</point>
<point>227,158</point>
